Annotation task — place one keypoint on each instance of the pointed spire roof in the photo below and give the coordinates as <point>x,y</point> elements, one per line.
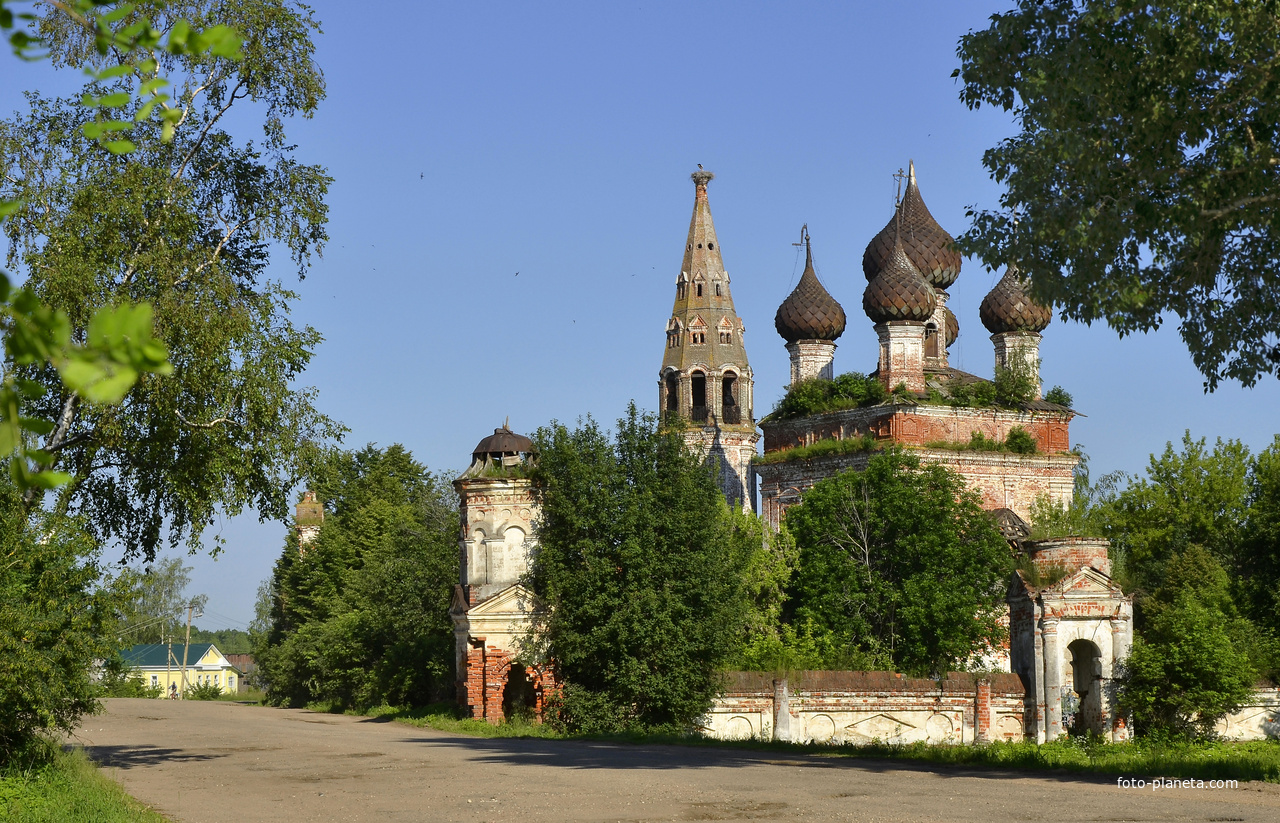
<point>899,291</point>
<point>1009,307</point>
<point>702,292</point>
<point>809,312</point>
<point>928,245</point>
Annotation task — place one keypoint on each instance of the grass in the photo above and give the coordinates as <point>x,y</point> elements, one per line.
<point>1252,760</point>
<point>820,448</point>
<point>444,717</point>
<point>65,787</point>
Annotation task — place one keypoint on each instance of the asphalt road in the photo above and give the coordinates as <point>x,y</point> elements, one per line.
<point>227,763</point>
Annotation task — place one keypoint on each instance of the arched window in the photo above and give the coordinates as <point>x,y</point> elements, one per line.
<point>729,398</point>
<point>698,390</point>
<point>680,291</point>
<point>718,290</point>
<point>699,288</point>
<point>672,392</point>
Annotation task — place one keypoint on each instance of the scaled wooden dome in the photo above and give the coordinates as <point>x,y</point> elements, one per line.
<point>1009,307</point>
<point>928,245</point>
<point>898,291</point>
<point>952,327</point>
<point>809,312</point>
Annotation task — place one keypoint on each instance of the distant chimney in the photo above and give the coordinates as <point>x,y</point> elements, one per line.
<point>308,517</point>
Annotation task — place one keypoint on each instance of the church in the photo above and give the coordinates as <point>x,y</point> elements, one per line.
<point>1065,637</point>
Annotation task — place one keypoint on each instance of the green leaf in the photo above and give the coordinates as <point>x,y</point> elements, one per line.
<point>119,146</point>
<point>35,425</point>
<point>115,100</point>
<point>8,207</point>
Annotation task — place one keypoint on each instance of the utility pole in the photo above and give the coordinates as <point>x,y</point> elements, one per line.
<point>182,693</point>
<point>168,662</point>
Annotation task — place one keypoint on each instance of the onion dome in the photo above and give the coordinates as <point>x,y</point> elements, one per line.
<point>952,327</point>
<point>928,245</point>
<point>503,443</point>
<point>809,312</point>
<point>898,291</point>
<point>1009,307</point>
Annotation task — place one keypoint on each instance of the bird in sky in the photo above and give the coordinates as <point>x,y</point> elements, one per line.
<point>517,274</point>
<point>699,167</point>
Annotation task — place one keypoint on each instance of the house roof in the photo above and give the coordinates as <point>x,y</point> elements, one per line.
<point>156,655</point>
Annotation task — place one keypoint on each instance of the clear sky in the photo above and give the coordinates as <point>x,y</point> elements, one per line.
<point>472,141</point>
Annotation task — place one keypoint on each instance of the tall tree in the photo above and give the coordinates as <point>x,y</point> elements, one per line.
<point>154,601</point>
<point>1198,496</point>
<point>54,616</point>
<point>1145,178</point>
<point>360,616</point>
<point>186,225</point>
<point>639,565</point>
<point>900,565</point>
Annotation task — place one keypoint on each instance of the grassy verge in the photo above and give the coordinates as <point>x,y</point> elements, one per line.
<point>64,787</point>
<point>1253,760</point>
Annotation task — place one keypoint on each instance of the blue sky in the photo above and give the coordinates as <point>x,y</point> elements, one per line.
<point>471,141</point>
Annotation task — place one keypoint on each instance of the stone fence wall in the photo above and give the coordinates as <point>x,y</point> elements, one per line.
<point>859,707</point>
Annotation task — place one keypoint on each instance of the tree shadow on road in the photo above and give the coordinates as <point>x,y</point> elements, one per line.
<point>129,757</point>
<point>586,754</point>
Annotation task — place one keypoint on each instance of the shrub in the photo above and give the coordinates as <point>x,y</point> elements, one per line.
<point>815,396</point>
<point>1059,395</point>
<point>1015,384</point>
<point>1020,441</point>
<point>820,448</point>
<point>203,691</point>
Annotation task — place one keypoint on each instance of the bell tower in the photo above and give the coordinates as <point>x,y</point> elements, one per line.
<point>705,382</point>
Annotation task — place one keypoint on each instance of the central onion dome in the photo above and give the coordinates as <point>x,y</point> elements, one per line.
<point>809,312</point>
<point>928,245</point>
<point>898,291</point>
<point>1009,307</point>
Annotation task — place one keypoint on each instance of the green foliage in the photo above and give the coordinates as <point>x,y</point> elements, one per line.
<point>1088,512</point>
<point>1020,441</point>
<point>361,617</point>
<point>816,396</point>
<point>900,563</point>
<point>1184,673</point>
<point>1196,497</point>
<point>1016,383</point>
<point>640,569</point>
<point>977,395</point>
<point>1259,558</point>
<point>1059,395</point>
<point>1041,578</point>
<point>803,646</point>
<point>228,641</point>
<point>56,786</point>
<point>202,691</point>
<point>52,615</point>
<point>820,448</point>
<point>154,602</point>
<point>119,680</point>
<point>116,346</point>
<point>1143,181</point>
<point>229,429</point>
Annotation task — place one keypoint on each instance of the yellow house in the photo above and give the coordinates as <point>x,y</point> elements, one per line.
<point>160,664</point>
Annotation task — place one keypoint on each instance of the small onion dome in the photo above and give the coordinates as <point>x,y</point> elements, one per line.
<point>899,292</point>
<point>928,245</point>
<point>1009,307</point>
<point>503,441</point>
<point>952,327</point>
<point>809,312</point>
